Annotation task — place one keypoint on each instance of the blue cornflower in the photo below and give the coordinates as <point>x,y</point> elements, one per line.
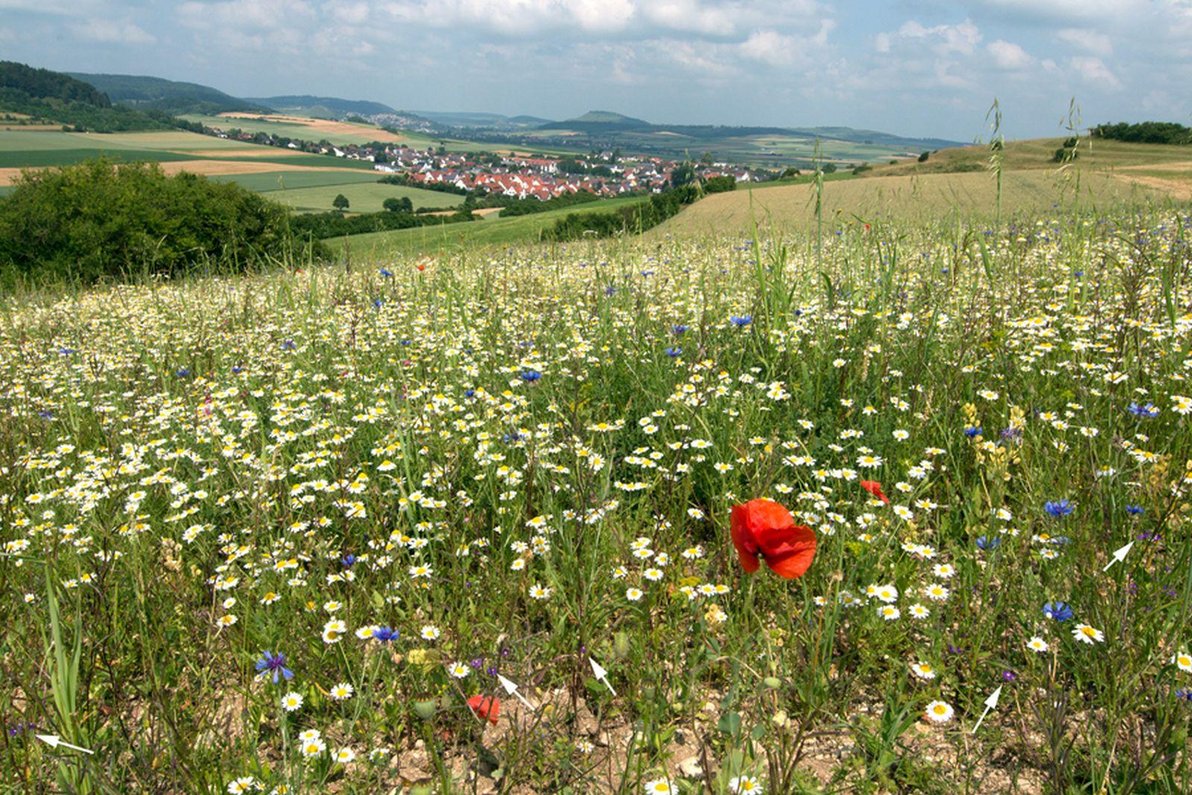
<point>674,351</point>
<point>377,303</point>
<point>45,414</point>
<point>610,290</point>
<point>1135,510</point>
<point>469,393</point>
<point>972,430</point>
<point>288,345</point>
<point>530,376</point>
<point>1057,611</point>
<point>987,542</point>
<point>741,321</point>
<point>1184,694</point>
<point>237,369</point>
<point>385,634</point>
<point>66,351</point>
<point>348,560</point>
<point>1058,508</point>
<point>679,328</point>
<point>275,663</point>
<point>1146,410</point>
<point>388,274</point>
<point>183,372</point>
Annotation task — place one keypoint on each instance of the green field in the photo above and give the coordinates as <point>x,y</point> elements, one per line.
<point>492,231</point>
<point>366,197</point>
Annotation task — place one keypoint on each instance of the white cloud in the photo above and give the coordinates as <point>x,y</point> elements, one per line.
<point>1009,56</point>
<point>943,39</point>
<point>768,46</point>
<point>110,31</point>
<point>1094,70</point>
<point>1091,40</point>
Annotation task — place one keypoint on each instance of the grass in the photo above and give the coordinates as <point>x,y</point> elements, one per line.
<point>279,181</point>
<point>462,237</point>
<point>364,196</point>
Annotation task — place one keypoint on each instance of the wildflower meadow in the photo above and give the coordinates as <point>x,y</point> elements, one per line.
<point>879,508</point>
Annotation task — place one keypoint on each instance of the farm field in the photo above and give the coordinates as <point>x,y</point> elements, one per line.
<point>335,132</point>
<point>463,237</point>
<point>364,197</point>
<point>179,150</point>
<point>943,198</point>
<point>905,510</point>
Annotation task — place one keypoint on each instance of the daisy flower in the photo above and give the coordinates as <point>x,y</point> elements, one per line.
<point>1086,634</point>
<point>1037,644</point>
<point>923,670</point>
<point>342,691</point>
<point>291,701</point>
<point>1183,661</point>
<point>939,712</point>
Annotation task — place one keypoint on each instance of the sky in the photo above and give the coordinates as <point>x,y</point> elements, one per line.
<point>916,67</point>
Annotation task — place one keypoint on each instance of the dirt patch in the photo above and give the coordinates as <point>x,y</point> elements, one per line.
<point>1185,166</point>
<point>1181,190</point>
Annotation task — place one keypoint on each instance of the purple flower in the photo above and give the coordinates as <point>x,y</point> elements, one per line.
<point>275,663</point>
<point>1058,508</point>
<point>385,634</point>
<point>1057,611</point>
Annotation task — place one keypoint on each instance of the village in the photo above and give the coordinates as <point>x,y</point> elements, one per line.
<point>515,175</point>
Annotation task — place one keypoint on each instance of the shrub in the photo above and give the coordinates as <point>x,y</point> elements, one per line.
<point>98,220</point>
<point>720,184</point>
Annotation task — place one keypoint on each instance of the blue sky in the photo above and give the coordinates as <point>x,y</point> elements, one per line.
<point>917,67</point>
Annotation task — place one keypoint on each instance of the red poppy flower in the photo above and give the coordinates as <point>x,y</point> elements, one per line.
<point>875,488</point>
<point>763,528</point>
<point>485,707</point>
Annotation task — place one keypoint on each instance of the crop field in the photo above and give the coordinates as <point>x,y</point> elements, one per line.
<point>200,154</point>
<point>463,237</point>
<point>917,198</point>
<point>335,132</point>
<point>904,509</point>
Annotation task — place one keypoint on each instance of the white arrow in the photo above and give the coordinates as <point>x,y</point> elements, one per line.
<point>990,703</point>
<point>601,674</point>
<point>53,741</point>
<point>1119,556</point>
<point>511,689</point>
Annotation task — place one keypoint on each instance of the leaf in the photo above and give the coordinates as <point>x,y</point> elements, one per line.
<point>730,723</point>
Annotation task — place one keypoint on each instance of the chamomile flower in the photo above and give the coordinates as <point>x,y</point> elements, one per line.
<point>341,692</point>
<point>939,712</point>
<point>1086,634</point>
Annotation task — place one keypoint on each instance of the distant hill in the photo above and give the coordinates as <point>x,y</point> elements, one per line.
<point>323,107</point>
<point>494,121</point>
<point>876,138</point>
<point>169,96</point>
<point>597,122</point>
<point>55,97</point>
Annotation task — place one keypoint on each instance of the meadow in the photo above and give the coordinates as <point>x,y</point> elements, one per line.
<point>464,239</point>
<point>294,531</point>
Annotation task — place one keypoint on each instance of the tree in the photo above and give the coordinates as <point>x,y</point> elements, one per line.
<point>396,205</point>
<point>340,202</point>
<point>95,220</point>
<point>923,156</point>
